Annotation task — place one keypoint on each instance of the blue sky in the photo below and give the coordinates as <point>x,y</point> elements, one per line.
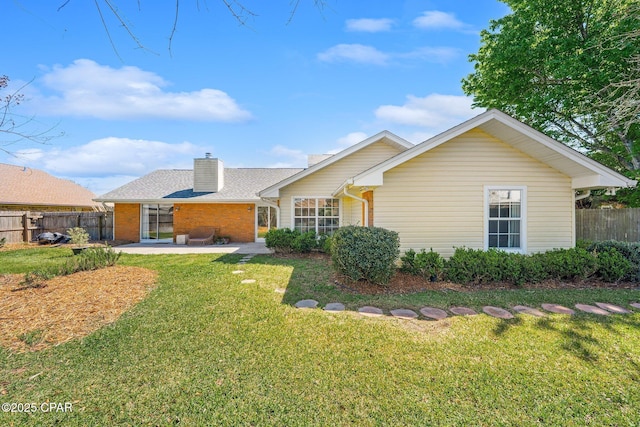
<point>265,94</point>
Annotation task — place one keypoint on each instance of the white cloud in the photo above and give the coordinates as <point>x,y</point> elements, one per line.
<point>354,53</point>
<point>369,25</point>
<point>348,140</point>
<point>435,111</point>
<point>118,156</point>
<point>295,158</point>
<point>437,20</point>
<point>86,88</point>
<point>441,54</point>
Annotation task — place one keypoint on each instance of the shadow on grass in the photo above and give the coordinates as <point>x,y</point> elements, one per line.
<point>311,278</point>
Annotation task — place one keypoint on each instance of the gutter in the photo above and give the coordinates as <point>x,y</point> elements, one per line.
<point>361,200</point>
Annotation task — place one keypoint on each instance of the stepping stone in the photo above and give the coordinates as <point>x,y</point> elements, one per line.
<point>280,291</point>
<point>498,312</point>
<point>370,311</point>
<point>404,313</point>
<point>592,309</point>
<point>334,306</point>
<point>528,310</point>
<point>237,272</point>
<point>307,303</point>
<point>433,313</point>
<point>635,305</point>
<point>462,311</point>
<point>613,308</point>
<point>559,309</point>
<point>247,281</point>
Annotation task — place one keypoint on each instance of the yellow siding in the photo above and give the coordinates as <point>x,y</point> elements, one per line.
<point>325,181</point>
<point>436,200</point>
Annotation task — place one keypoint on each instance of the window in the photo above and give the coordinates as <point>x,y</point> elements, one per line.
<point>317,214</point>
<point>505,218</point>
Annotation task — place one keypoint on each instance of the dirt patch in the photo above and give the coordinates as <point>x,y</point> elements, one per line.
<point>67,307</point>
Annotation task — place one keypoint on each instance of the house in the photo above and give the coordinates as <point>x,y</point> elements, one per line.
<point>490,182</point>
<point>27,189</point>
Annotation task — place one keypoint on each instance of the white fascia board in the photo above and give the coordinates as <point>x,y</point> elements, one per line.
<point>600,181</point>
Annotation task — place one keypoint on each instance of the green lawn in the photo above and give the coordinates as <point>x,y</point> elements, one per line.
<point>204,349</point>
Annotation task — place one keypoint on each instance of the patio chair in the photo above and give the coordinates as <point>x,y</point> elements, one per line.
<point>201,236</point>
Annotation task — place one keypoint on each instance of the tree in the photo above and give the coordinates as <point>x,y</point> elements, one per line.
<point>569,68</point>
<point>15,127</point>
<point>236,8</point>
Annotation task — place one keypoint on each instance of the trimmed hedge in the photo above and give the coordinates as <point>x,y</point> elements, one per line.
<point>608,261</point>
<point>365,253</point>
<point>285,240</point>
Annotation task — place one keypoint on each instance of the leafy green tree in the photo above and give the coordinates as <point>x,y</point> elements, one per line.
<point>570,68</point>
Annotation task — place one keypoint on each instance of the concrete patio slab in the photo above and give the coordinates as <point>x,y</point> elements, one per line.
<point>170,248</point>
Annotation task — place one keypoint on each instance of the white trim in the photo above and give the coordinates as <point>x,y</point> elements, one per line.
<point>386,136</point>
<point>523,216</point>
<point>600,175</point>
<point>265,204</point>
<point>365,202</point>
<point>293,209</point>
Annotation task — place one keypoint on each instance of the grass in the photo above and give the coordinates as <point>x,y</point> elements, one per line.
<point>204,349</point>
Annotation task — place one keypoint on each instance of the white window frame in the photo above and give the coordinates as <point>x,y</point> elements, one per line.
<point>523,216</point>
<point>293,209</point>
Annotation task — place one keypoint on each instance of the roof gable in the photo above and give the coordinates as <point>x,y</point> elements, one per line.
<point>384,136</point>
<point>584,172</point>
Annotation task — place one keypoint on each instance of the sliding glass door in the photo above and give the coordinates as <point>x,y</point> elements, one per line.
<point>156,224</point>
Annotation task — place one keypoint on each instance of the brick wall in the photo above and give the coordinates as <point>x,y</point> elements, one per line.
<point>368,196</point>
<point>233,220</point>
<point>127,221</point>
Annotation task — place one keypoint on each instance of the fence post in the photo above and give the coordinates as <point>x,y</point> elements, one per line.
<point>100,225</point>
<point>25,227</point>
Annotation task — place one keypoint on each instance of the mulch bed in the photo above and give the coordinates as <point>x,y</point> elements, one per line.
<point>67,307</point>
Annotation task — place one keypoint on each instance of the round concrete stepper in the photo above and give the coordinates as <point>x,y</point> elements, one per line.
<point>613,308</point>
<point>635,305</point>
<point>529,310</point>
<point>370,311</point>
<point>433,313</point>
<point>559,309</point>
<point>592,309</point>
<point>463,311</point>
<point>307,303</point>
<point>237,272</point>
<point>498,312</point>
<point>404,313</point>
<point>247,281</point>
<point>334,306</point>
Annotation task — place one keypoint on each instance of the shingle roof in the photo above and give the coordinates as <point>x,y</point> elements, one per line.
<point>240,184</point>
<point>25,186</point>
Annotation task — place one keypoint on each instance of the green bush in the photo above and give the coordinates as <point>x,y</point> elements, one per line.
<point>630,251</point>
<point>365,253</point>
<point>428,265</point>
<point>304,242</point>
<point>613,266</point>
<point>281,239</point>
<point>569,264</point>
<point>324,243</point>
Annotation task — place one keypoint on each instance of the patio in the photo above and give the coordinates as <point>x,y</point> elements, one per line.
<point>171,248</point>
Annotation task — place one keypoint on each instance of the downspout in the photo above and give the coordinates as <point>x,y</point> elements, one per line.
<point>361,200</point>
<point>583,196</point>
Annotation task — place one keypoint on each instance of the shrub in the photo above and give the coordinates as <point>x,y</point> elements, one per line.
<point>569,264</point>
<point>281,239</point>
<point>367,253</point>
<point>630,251</point>
<point>428,265</point>
<point>465,266</point>
<point>3,241</point>
<point>613,266</point>
<point>324,243</point>
<point>79,236</point>
<point>304,242</point>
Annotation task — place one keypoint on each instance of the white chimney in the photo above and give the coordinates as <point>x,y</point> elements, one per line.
<point>208,174</point>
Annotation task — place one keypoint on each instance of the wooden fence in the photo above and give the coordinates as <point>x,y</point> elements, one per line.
<point>24,226</point>
<point>608,224</point>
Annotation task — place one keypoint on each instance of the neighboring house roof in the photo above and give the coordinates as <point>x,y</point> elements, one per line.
<point>176,185</point>
<point>32,187</point>
<point>584,172</point>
